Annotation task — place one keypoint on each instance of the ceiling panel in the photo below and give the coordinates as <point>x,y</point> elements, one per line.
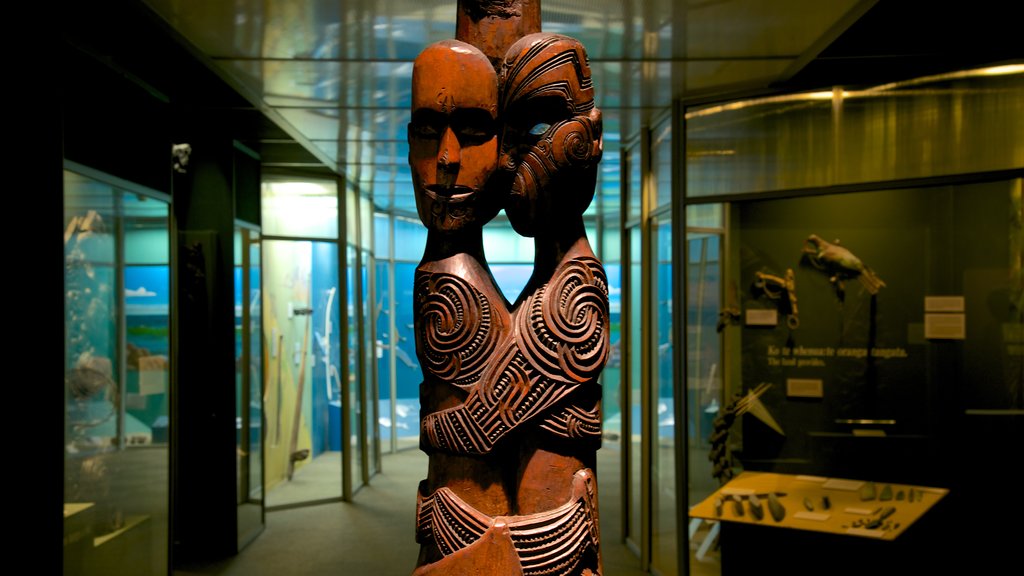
<point>758,28</point>
<point>337,74</point>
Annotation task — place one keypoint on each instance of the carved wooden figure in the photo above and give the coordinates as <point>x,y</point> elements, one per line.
<point>510,404</point>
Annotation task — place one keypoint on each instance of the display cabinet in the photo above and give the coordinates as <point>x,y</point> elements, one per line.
<point>855,305</point>
<point>117,367</point>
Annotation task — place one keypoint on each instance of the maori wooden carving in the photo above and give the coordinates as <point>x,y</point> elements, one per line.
<point>503,116</point>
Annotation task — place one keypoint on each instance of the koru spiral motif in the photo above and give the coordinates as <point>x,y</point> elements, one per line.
<point>504,116</point>
<point>457,326</point>
<point>559,343</point>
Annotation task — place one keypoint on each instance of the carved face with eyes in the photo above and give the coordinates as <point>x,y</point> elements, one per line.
<point>551,143</point>
<point>453,140</point>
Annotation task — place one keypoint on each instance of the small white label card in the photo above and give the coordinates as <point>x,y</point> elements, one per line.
<point>943,303</point>
<point>737,491</point>
<point>805,387</point>
<point>762,317</point>
<point>813,516</point>
<point>866,532</point>
<point>840,484</point>
<point>945,326</point>
<point>860,511</point>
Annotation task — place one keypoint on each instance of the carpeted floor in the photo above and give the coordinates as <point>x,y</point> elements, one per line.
<point>374,534</point>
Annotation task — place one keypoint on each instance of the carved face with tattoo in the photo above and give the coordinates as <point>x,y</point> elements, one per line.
<point>551,142</point>
<point>453,139</point>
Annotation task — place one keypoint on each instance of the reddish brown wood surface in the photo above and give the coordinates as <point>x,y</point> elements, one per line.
<point>510,403</point>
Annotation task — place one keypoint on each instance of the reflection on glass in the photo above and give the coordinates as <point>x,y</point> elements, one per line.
<point>303,406</point>
<point>117,361</point>
<point>663,445</point>
<point>703,378</point>
<point>384,356</point>
<point>368,354</point>
<point>248,383</point>
<point>634,189</point>
<point>661,158</point>
<point>950,124</point>
<point>355,441</point>
<point>303,208</point>
<point>636,324</point>
<point>407,368</point>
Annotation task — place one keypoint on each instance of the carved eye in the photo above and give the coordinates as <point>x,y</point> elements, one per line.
<point>539,129</point>
<point>474,132</point>
<point>425,131</point>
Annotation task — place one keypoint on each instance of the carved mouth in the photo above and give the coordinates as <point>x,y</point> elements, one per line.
<point>450,193</point>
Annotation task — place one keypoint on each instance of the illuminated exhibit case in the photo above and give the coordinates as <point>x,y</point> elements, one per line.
<point>855,309</point>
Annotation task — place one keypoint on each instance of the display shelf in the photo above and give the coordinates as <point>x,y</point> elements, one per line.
<point>859,508</point>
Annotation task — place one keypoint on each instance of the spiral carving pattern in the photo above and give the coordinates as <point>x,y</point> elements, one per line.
<point>575,143</point>
<point>563,334</point>
<point>456,328</point>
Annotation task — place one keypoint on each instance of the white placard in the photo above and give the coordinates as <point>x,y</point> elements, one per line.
<point>839,484</point>
<point>805,387</point>
<point>813,516</point>
<point>868,433</point>
<point>737,491</point>
<point>152,375</point>
<point>943,303</point>
<point>866,532</point>
<point>762,317</point>
<point>860,511</point>
<point>945,326</point>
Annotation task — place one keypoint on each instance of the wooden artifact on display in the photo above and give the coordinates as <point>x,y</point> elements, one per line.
<point>504,117</point>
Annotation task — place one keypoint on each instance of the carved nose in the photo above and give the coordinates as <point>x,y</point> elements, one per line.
<point>449,156</point>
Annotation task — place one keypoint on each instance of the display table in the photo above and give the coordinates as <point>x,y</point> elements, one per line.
<point>827,519</point>
<point>838,506</point>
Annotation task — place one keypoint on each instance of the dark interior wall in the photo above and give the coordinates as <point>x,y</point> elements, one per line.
<point>114,124</point>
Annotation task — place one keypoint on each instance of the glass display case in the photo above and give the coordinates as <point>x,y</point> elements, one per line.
<point>249,382</point>
<point>117,363</point>
<point>855,306</point>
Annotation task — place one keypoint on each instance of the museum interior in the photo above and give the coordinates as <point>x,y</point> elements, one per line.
<point>821,202</point>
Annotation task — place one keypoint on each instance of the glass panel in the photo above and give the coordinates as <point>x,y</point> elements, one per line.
<point>901,365</point>
<point>703,382</point>
<point>661,160</point>
<point>636,325</point>
<point>351,216</point>
<point>241,443</point>
<point>503,245</point>
<point>407,368</point>
<point>384,355</point>
<point>117,361</point>
<point>304,208</point>
<point>368,354</point>
<point>663,452</point>
<point>381,235</point>
<point>256,382</point>
<point>365,223</point>
<point>248,383</point>
<point>610,457</point>
<point>303,450</point>
<point>957,123</point>
<point>355,441</point>
<point>511,278</point>
<point>635,183</point>
<point>704,216</point>
<point>410,240</point>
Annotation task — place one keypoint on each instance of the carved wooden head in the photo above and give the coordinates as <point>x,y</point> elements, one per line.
<point>453,136</point>
<point>551,140</point>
